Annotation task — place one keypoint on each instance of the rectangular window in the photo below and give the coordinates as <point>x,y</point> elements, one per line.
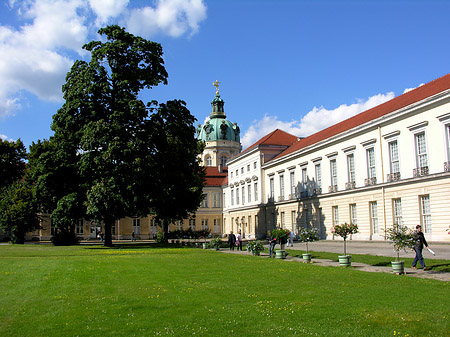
<point>232,196</point>
<point>421,150</point>
<point>137,226</point>
<point>304,175</point>
<point>335,215</point>
<point>216,225</point>
<point>271,190</point>
<point>204,224</point>
<point>204,203</point>
<point>248,168</point>
<point>249,192</point>
<point>292,182</point>
<point>351,168</point>
<point>179,225</point>
<point>373,216</point>
<point>255,190</point>
<point>318,174</point>
<point>243,194</point>
<point>353,218</point>
<point>397,211</point>
<point>394,162</point>
<point>216,200</point>
<point>294,220</point>
<point>192,224</point>
<point>254,165</point>
<point>371,169</point>
<point>237,196</point>
<point>333,173</point>
<point>425,213</point>
<point>79,229</point>
<point>282,186</point>
<point>283,219</point>
<point>224,205</point>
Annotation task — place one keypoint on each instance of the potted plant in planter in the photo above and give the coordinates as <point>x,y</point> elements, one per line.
<point>281,236</point>
<point>402,238</point>
<point>255,247</point>
<point>308,235</point>
<point>344,230</point>
<point>215,243</point>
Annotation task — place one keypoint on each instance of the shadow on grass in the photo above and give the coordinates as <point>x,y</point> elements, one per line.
<point>444,267</point>
<point>139,245</point>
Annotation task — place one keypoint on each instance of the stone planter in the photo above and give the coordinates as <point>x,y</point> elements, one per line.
<point>280,254</point>
<point>398,267</point>
<point>345,260</point>
<point>306,258</point>
<point>204,245</point>
<point>254,253</point>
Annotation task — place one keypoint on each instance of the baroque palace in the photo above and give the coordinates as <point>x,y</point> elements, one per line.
<point>387,165</point>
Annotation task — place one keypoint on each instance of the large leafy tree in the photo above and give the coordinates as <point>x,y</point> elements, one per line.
<point>177,176</point>
<point>12,161</point>
<point>18,210</point>
<point>115,144</point>
<point>56,185</point>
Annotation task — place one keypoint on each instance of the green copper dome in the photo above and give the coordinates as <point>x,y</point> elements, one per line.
<point>218,127</point>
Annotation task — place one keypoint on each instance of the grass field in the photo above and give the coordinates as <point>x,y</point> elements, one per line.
<point>144,291</point>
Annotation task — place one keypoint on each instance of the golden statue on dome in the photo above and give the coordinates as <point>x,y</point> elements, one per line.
<point>216,84</point>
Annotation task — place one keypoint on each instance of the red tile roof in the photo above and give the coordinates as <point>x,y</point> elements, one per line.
<point>276,137</point>
<point>216,178</point>
<point>413,96</point>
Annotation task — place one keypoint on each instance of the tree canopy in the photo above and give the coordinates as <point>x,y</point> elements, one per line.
<point>125,157</point>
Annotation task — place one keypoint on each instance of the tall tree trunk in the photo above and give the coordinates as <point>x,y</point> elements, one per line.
<point>108,234</point>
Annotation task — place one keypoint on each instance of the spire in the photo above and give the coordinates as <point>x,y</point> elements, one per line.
<point>217,104</point>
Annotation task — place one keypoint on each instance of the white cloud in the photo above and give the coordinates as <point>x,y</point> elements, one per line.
<point>36,56</point>
<point>315,120</point>
<point>409,89</point>
<point>173,17</point>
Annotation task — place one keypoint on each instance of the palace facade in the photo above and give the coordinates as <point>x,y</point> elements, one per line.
<point>387,165</point>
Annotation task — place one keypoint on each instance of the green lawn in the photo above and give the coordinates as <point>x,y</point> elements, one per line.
<point>143,291</point>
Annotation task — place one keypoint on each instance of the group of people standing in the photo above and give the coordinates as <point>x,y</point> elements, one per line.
<point>235,241</point>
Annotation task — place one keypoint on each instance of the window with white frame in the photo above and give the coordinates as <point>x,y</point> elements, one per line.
<point>271,188</point>
<point>192,224</point>
<point>242,170</point>
<point>351,168</point>
<point>394,162</point>
<point>224,205</point>
<point>243,194</point>
<point>232,196</point>
<point>373,208</point>
<point>335,215</point>
<point>179,225</point>
<point>294,220</point>
<point>204,224</point>
<point>237,195</point>
<point>223,161</point>
<point>231,173</point>
<point>425,212</point>
<point>304,175</point>
<point>208,161</point>
<point>255,190</point>
<point>292,182</point>
<point>79,229</point>
<point>204,202</point>
<point>318,174</point>
<point>137,226</point>
<point>216,200</point>
<point>371,169</point>
<point>216,225</point>
<point>353,218</point>
<point>283,220</point>
<point>282,186</point>
<point>248,168</point>
<point>397,211</point>
<point>333,173</point>
<point>421,150</point>
<point>254,165</point>
<point>249,192</point>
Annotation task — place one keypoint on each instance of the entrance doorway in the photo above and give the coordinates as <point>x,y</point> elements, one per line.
<point>96,229</point>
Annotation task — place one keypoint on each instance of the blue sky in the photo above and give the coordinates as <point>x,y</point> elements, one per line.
<point>296,65</point>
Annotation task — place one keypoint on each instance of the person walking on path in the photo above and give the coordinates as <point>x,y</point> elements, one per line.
<point>420,241</point>
<point>231,240</point>
<point>291,238</point>
<point>239,241</point>
<point>272,243</point>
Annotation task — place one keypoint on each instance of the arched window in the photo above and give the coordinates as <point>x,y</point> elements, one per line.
<point>223,161</point>
<point>208,161</point>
